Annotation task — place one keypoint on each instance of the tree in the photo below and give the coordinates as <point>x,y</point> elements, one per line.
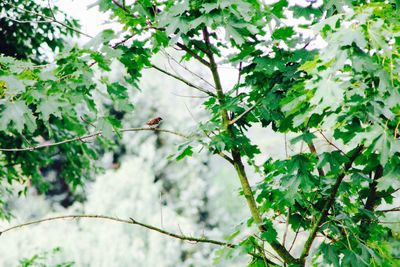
<point>31,30</point>
<point>345,95</point>
<point>31,27</point>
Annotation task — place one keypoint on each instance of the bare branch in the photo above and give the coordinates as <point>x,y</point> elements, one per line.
<point>122,41</point>
<point>84,137</point>
<point>239,77</point>
<point>190,96</point>
<point>389,210</point>
<point>183,80</point>
<point>50,20</point>
<point>332,144</point>
<point>130,221</point>
<point>188,70</point>
<point>28,21</point>
<point>294,239</point>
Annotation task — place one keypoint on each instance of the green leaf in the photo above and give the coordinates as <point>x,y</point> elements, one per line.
<point>187,152</point>
<point>120,97</point>
<point>331,254</point>
<point>306,137</point>
<point>328,94</point>
<point>51,105</point>
<point>18,115</point>
<point>383,146</point>
<point>279,7</point>
<point>335,159</point>
<point>101,61</point>
<point>14,85</point>
<point>270,233</point>
<point>231,32</point>
<point>283,33</point>
<point>389,179</point>
<point>106,126</point>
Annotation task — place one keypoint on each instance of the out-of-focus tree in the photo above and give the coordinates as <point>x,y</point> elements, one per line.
<point>34,30</point>
<point>29,28</point>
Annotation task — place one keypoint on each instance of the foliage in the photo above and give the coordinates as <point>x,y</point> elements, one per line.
<point>345,94</point>
<point>39,260</point>
<point>25,34</point>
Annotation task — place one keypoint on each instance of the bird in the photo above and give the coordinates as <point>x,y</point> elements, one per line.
<point>154,123</point>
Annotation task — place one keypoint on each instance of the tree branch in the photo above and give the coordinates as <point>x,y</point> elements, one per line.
<point>187,69</point>
<point>130,221</point>
<point>183,80</point>
<point>237,160</point>
<point>84,137</point>
<point>245,112</point>
<point>50,20</point>
<point>328,204</point>
<point>372,195</point>
<point>390,210</point>
<point>313,150</point>
<point>332,144</point>
<point>193,54</point>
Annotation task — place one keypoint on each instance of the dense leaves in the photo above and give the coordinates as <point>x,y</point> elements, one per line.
<point>339,97</point>
<point>25,33</point>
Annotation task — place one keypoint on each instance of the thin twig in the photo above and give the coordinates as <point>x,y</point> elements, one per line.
<point>130,221</point>
<point>28,21</point>
<point>122,41</point>
<point>294,239</point>
<point>51,20</point>
<point>389,210</point>
<point>190,96</point>
<point>188,70</point>
<point>286,228</point>
<point>193,54</point>
<point>244,112</point>
<point>239,76</point>
<point>286,146</point>
<point>222,154</point>
<point>329,142</point>
<point>123,7</point>
<point>183,80</point>
<point>84,137</point>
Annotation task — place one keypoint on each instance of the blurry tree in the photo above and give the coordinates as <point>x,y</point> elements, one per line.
<point>28,28</point>
<point>33,30</point>
<point>348,89</point>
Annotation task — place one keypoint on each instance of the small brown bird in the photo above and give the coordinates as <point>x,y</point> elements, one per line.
<point>154,123</point>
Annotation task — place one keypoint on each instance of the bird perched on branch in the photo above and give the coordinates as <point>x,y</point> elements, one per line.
<point>154,123</point>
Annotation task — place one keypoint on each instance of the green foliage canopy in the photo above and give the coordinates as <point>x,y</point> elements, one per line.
<point>349,89</point>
